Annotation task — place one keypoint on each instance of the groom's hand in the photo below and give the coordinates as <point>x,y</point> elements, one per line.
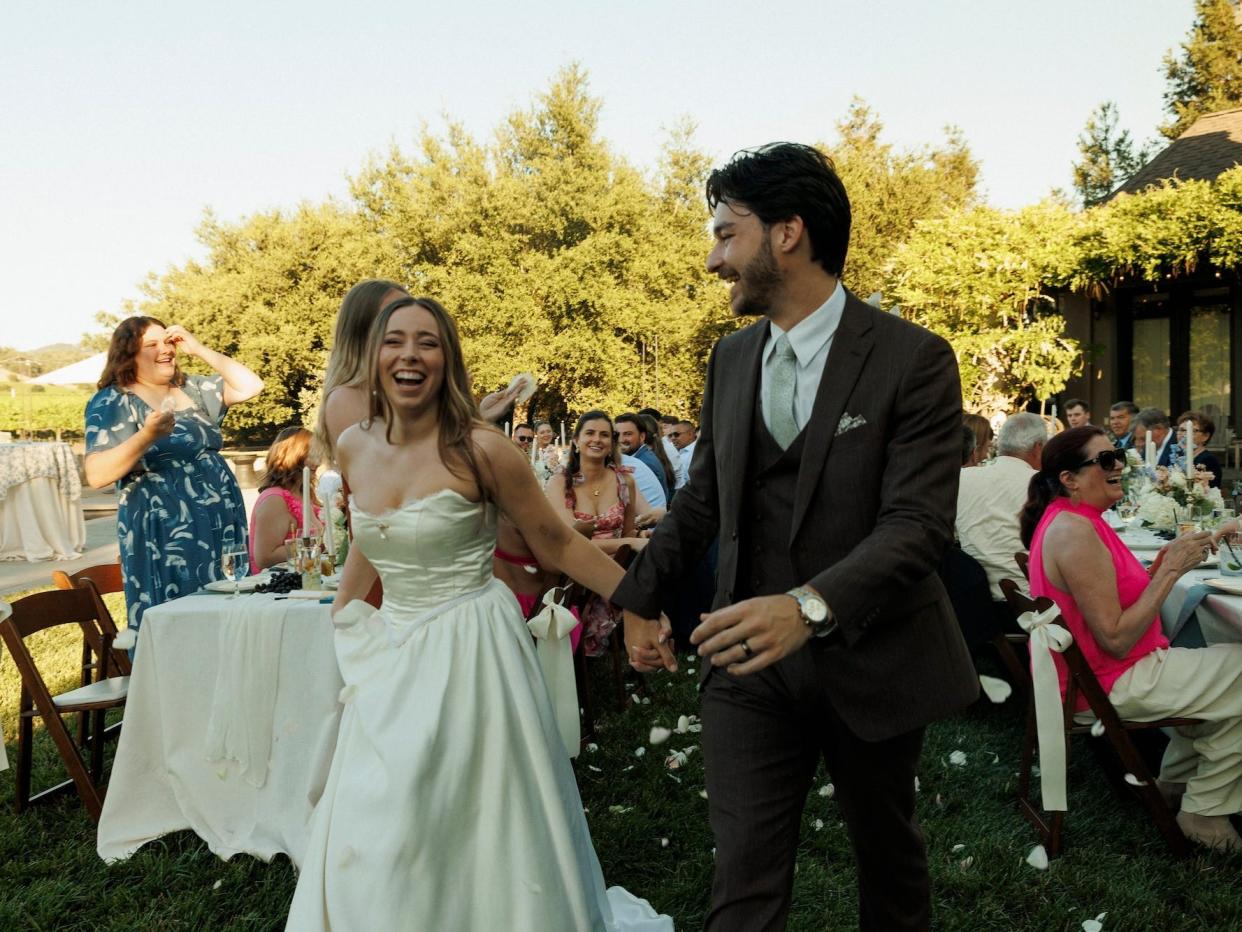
<point>649,644</point>
<point>771,626</point>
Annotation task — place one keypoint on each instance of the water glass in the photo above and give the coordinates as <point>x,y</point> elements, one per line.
<point>234,564</point>
<point>1230,548</point>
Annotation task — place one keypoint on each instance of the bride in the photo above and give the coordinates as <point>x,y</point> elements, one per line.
<point>450,803</point>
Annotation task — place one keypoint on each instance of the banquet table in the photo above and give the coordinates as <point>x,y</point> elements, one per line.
<point>1218,615</point>
<point>40,502</point>
<point>267,670</point>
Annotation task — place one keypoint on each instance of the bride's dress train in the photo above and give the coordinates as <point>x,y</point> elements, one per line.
<point>450,804</point>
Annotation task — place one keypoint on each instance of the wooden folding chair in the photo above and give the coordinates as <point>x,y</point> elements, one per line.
<point>1023,559</point>
<point>1083,681</point>
<point>38,612</point>
<point>101,579</point>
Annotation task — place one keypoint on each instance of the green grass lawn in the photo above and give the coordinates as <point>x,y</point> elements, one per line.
<point>1115,863</point>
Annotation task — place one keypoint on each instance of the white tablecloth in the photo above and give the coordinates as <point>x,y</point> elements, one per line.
<point>40,502</point>
<point>162,780</point>
<point>1219,615</point>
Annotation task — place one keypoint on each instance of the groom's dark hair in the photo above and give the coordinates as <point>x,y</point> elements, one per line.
<point>787,179</point>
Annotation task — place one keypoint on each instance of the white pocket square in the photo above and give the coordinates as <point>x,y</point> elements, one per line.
<point>849,422</point>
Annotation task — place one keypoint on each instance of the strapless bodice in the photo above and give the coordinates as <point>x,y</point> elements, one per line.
<point>428,551</point>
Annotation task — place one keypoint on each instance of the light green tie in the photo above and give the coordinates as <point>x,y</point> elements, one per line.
<point>780,417</point>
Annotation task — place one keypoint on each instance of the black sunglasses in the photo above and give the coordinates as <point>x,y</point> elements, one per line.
<point>1106,459</point>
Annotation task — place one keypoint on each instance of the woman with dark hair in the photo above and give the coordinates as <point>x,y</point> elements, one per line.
<point>450,802</point>
<point>1111,605</point>
<point>1204,430</point>
<point>597,496</point>
<point>155,432</point>
<point>278,508</point>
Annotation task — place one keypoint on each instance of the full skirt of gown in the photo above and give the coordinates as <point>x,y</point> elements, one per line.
<point>450,803</point>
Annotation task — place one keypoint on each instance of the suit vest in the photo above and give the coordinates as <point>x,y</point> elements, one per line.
<point>765,566</point>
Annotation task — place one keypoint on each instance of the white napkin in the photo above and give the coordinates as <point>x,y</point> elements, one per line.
<point>243,704</point>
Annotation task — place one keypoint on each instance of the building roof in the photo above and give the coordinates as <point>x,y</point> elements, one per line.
<point>1211,145</point>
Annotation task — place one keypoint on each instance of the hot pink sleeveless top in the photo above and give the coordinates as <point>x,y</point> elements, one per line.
<point>292,502</point>
<point>1132,579</point>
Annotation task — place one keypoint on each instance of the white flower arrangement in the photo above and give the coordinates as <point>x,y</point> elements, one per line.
<point>1166,496</point>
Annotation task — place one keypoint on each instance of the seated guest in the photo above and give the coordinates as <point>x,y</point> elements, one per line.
<point>968,446</point>
<point>1120,426</point>
<point>989,499</point>
<point>1156,421</point>
<point>1077,413</point>
<point>1204,429</point>
<point>982,430</point>
<point>645,480</point>
<point>599,499</point>
<point>1111,606</point>
<point>277,512</point>
<point>633,436</point>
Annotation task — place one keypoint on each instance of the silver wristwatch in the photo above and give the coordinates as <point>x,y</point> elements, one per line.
<point>814,611</point>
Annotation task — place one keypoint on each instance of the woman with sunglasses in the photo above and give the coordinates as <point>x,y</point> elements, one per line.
<point>1111,605</point>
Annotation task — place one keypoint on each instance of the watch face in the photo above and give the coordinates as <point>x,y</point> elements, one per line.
<point>815,609</point>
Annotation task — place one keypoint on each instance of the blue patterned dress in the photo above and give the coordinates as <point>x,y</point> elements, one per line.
<point>180,505</point>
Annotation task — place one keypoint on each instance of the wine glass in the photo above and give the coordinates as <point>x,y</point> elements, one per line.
<point>1127,511</point>
<point>234,564</point>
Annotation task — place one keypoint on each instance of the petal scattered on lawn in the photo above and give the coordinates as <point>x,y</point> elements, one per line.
<point>592,747</point>
<point>957,848</point>
<point>658,735</point>
<point>827,790</point>
<point>676,760</point>
<point>691,671</point>
<point>916,784</point>
<point>1094,925</point>
<point>1133,780</point>
<point>639,752</point>
<point>819,824</point>
<point>703,793</point>
<point>683,724</point>
<point>966,862</point>
<point>619,810</point>
<point>217,885</point>
<point>958,758</point>
<point>593,767</point>
<point>997,690</point>
<point>695,729</point>
<point>663,842</point>
<point>1038,858</point>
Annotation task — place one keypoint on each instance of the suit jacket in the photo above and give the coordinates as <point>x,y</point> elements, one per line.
<point>873,513</point>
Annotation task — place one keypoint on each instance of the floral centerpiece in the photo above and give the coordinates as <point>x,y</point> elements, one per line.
<point>1166,495</point>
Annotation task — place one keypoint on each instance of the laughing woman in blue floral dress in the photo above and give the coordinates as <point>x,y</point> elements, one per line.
<point>155,432</point>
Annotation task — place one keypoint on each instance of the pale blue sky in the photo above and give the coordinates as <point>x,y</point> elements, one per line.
<point>121,121</point>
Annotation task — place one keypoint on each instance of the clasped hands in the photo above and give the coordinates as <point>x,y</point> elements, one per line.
<point>771,626</point>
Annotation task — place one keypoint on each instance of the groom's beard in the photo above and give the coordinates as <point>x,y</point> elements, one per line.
<point>759,281</point>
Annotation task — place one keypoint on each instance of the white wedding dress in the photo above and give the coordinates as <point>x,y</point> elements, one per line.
<point>450,804</point>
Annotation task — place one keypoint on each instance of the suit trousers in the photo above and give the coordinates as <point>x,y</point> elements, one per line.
<point>763,736</point>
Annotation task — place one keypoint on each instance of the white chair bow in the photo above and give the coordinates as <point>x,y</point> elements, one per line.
<point>1046,637</point>
<point>551,627</point>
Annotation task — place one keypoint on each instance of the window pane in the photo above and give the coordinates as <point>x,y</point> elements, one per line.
<point>1151,363</point>
<point>1209,364</point>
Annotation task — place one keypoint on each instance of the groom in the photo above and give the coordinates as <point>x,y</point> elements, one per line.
<point>827,462</point>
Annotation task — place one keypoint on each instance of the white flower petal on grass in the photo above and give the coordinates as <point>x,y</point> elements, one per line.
<point>683,724</point>
<point>217,885</point>
<point>827,790</point>
<point>997,690</point>
<point>966,862</point>
<point>639,752</point>
<point>663,842</point>
<point>690,671</point>
<point>958,758</point>
<point>917,787</point>
<point>818,824</point>
<point>1092,925</point>
<point>957,848</point>
<point>646,700</point>
<point>695,729</point>
<point>658,735</point>
<point>1097,730</point>
<point>592,747</point>
<point>619,810</point>
<point>676,760</point>
<point>593,767</point>
<point>1133,780</point>
<point>703,793</point>
<point>1038,858</point>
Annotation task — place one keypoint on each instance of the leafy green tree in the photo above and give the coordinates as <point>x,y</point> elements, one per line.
<point>890,191</point>
<point>1109,157</point>
<point>979,277</point>
<point>1207,74</point>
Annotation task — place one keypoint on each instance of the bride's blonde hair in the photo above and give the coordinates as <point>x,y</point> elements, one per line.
<point>458,411</point>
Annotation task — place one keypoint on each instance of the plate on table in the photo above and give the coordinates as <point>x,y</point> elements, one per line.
<point>1231,586</point>
<point>245,585</point>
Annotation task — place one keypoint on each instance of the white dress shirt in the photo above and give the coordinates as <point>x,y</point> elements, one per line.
<point>989,499</point>
<point>811,339</point>
<point>674,460</point>
<point>687,455</point>
<point>645,481</point>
